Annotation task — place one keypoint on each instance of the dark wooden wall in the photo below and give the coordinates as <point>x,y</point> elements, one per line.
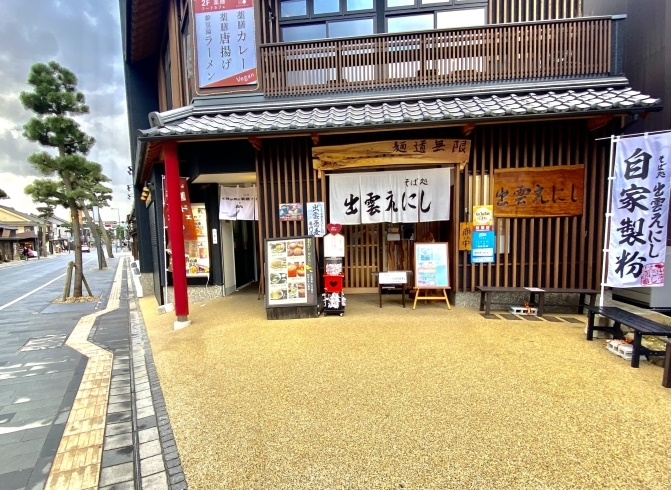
<point>542,252</point>
<point>539,252</point>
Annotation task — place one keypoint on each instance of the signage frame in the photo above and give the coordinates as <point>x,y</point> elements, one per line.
<point>311,271</point>
<point>436,247</point>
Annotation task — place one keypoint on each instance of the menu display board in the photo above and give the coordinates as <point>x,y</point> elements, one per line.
<point>431,266</point>
<point>198,261</point>
<point>291,272</point>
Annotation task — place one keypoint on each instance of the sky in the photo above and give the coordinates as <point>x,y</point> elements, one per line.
<point>85,37</point>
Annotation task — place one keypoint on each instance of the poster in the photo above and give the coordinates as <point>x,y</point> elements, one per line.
<point>316,219</point>
<point>483,218</point>
<point>188,225</point>
<point>291,212</point>
<point>402,196</point>
<point>639,211</point>
<point>198,256</point>
<point>482,247</point>
<point>431,266</point>
<point>225,43</point>
<point>291,272</point>
<point>465,233</point>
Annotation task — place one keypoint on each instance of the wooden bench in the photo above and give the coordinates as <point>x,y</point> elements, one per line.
<point>666,379</point>
<point>641,326</point>
<point>487,291</point>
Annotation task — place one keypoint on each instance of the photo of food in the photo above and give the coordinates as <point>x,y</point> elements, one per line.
<point>278,278</point>
<point>278,294</point>
<point>278,264</point>
<point>296,249</point>
<point>301,289</point>
<point>277,247</point>
<point>293,291</point>
<point>291,212</point>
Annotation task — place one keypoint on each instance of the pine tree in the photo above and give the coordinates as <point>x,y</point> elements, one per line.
<point>55,101</point>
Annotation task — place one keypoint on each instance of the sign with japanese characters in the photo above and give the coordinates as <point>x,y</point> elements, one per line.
<point>393,277</point>
<point>316,219</point>
<point>403,196</point>
<point>483,218</point>
<point>238,203</point>
<point>395,152</point>
<point>334,245</point>
<point>482,247</point>
<point>188,224</point>
<point>539,192</point>
<point>225,43</point>
<point>640,210</point>
<point>291,271</point>
<point>465,232</point>
<point>431,266</point>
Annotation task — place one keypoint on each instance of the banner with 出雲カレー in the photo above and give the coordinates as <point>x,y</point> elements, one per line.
<point>640,209</point>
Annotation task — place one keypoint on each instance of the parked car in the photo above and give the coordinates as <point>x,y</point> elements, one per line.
<point>86,248</point>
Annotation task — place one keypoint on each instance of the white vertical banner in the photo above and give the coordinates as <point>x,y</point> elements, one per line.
<point>434,195</point>
<point>374,188</point>
<point>345,199</point>
<point>640,210</point>
<point>316,219</point>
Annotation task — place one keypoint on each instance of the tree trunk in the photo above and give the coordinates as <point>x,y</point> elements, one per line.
<point>77,232</point>
<point>94,231</point>
<point>106,238</point>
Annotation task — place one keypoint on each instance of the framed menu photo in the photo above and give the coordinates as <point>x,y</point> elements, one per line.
<point>432,266</point>
<point>291,272</point>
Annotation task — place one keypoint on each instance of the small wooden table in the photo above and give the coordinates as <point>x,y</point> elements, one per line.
<point>401,286</point>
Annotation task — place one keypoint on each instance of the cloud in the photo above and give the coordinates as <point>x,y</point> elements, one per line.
<point>85,37</point>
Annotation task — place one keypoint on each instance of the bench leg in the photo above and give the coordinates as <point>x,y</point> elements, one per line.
<point>488,303</point>
<point>379,292</point>
<point>637,349</point>
<point>666,379</point>
<point>482,300</point>
<point>541,303</point>
<point>581,301</point>
<point>590,325</point>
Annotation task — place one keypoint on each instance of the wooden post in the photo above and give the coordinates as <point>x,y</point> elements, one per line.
<point>175,231</point>
<point>88,289</point>
<point>68,280</point>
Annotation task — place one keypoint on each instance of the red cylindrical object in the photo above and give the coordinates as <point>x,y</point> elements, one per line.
<point>176,230</point>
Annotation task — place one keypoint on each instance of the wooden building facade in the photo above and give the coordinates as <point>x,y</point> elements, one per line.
<point>533,86</point>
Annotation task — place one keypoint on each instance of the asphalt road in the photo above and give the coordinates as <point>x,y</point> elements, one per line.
<point>39,375</point>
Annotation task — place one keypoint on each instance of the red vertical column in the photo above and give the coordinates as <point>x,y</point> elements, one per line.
<point>176,231</point>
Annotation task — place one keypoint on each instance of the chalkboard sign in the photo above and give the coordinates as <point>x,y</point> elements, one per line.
<point>291,272</point>
<point>431,266</point>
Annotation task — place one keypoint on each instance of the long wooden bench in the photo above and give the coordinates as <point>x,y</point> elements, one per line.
<point>486,293</point>
<point>641,327</point>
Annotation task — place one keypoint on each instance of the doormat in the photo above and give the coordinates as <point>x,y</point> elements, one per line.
<point>490,316</point>
<point>552,319</point>
<point>571,320</point>
<point>531,318</point>
<point>509,316</point>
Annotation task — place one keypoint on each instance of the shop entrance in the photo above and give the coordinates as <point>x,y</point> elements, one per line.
<point>244,251</point>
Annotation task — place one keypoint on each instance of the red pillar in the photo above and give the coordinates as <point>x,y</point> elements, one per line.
<point>176,231</point>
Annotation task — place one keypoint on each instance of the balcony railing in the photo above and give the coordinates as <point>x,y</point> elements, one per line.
<point>573,48</point>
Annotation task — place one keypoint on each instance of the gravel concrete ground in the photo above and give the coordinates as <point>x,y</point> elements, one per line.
<point>393,398</point>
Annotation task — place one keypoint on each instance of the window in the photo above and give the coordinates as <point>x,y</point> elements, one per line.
<point>306,20</point>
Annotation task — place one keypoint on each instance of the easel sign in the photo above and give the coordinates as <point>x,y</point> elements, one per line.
<point>431,271</point>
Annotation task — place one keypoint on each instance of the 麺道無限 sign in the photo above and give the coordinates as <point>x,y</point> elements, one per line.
<point>395,152</point>
<point>225,43</point>
<point>539,191</point>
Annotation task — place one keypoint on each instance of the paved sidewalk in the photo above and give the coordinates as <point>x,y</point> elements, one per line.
<point>105,424</point>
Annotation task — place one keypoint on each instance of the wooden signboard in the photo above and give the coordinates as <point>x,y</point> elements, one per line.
<point>539,192</point>
<point>432,271</point>
<point>395,152</point>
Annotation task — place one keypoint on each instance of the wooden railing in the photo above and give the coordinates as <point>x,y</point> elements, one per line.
<point>571,48</point>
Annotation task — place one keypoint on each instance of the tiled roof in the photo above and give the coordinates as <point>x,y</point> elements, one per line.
<point>466,109</point>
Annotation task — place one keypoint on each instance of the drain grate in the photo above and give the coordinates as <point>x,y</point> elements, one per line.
<point>42,343</point>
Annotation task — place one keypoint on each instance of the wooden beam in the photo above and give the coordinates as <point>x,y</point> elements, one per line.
<point>467,129</point>
<point>256,142</point>
<point>315,139</point>
<point>598,122</point>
